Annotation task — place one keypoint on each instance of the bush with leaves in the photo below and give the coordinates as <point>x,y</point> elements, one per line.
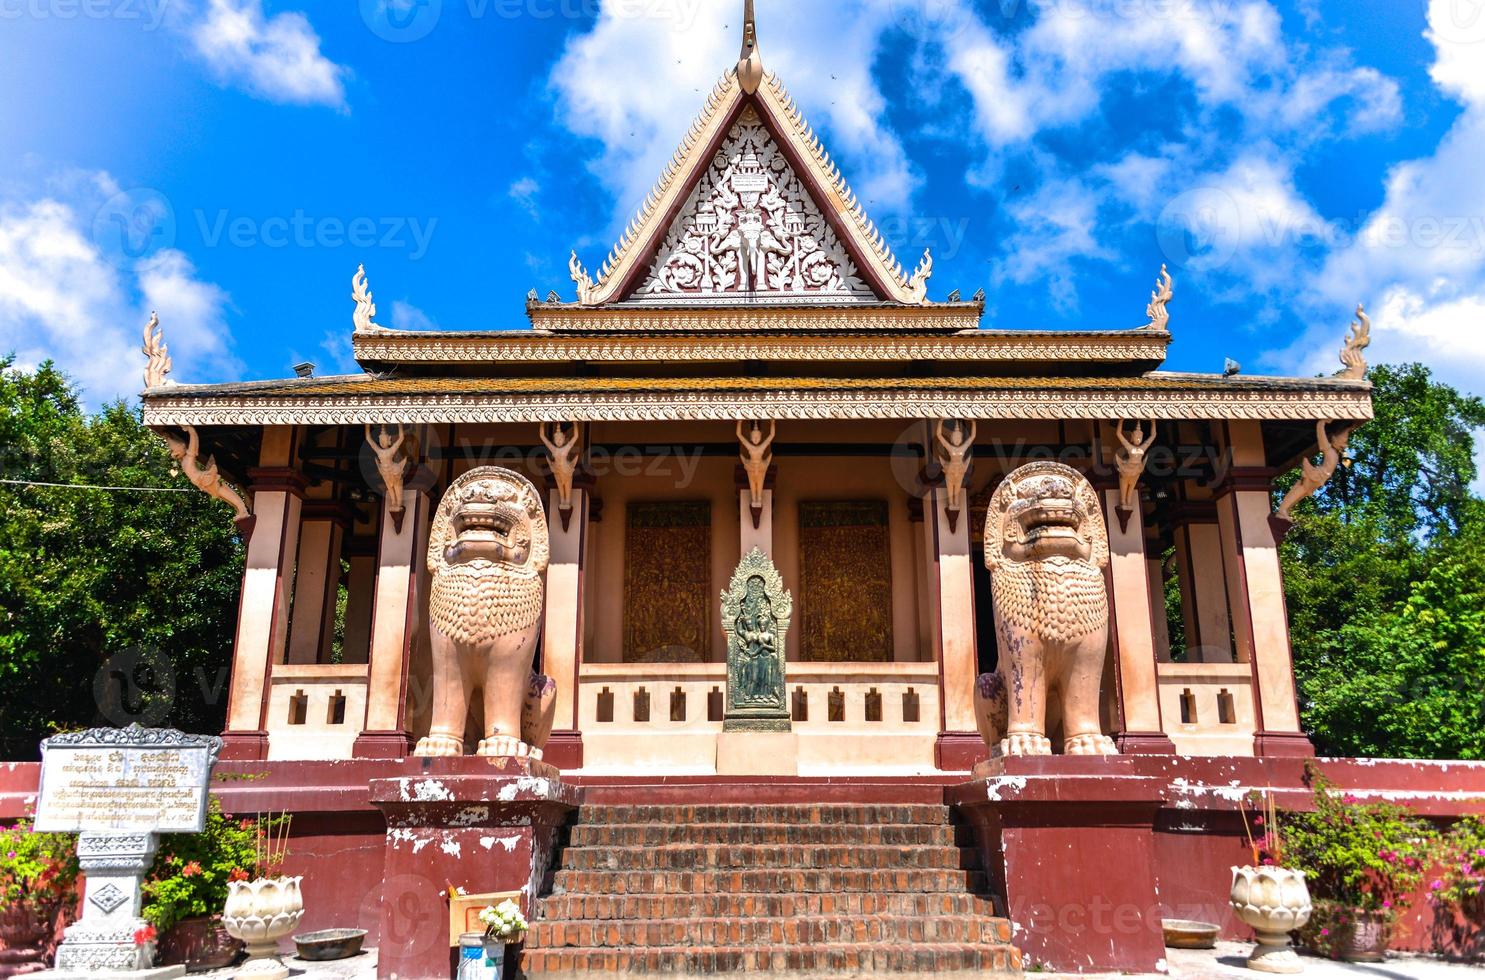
<point>192,871</point>
<point>1462,886</point>
<point>37,871</point>
<point>1358,858</point>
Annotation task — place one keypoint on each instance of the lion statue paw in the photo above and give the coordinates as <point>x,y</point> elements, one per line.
<point>1025,743</point>
<point>440,747</point>
<point>506,746</point>
<point>1090,744</point>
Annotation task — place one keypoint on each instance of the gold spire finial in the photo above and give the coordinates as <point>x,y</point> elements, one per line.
<point>750,62</point>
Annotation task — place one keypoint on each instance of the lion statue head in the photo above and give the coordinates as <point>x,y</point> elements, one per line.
<point>487,552</point>
<point>1044,511</point>
<point>1046,546</point>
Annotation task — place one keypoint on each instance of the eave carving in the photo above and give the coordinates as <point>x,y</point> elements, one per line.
<point>972,347</point>
<point>783,405</point>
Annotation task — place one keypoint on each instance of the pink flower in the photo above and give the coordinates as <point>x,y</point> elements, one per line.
<point>1387,904</point>
<point>191,870</point>
<point>1437,885</point>
<point>1324,932</point>
<point>11,856</point>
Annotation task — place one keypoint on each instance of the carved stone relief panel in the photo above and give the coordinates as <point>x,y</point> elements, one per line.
<point>751,227</point>
<point>845,582</point>
<point>667,582</point>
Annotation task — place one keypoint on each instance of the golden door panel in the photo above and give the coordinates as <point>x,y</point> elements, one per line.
<point>667,583</point>
<point>845,581</point>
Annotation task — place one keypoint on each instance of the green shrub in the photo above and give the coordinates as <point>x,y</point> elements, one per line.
<point>38,871</point>
<point>191,871</point>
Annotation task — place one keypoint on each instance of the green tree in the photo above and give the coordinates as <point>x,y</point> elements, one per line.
<point>1385,581</point>
<point>114,605</point>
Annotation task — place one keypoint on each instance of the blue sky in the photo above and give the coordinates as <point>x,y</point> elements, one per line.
<point>230,162</point>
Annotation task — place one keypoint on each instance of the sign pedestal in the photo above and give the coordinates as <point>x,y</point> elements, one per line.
<point>103,940</point>
<point>119,789</point>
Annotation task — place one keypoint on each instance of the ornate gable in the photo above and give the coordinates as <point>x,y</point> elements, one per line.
<point>750,230</point>
<point>751,211</point>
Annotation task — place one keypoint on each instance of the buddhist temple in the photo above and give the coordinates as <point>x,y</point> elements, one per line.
<point>752,404</point>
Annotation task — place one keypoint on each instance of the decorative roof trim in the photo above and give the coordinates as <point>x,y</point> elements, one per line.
<point>927,402</point>
<point>945,317</point>
<point>529,347</point>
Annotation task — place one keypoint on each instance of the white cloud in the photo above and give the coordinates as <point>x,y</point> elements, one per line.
<point>405,316</point>
<point>1419,259</point>
<point>62,299</point>
<point>1053,226</point>
<point>524,192</point>
<point>277,58</point>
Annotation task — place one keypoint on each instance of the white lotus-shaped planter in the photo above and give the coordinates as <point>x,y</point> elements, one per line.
<point>260,913</point>
<point>1274,902</point>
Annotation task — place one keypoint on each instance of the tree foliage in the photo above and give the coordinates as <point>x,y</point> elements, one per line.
<point>1385,574</point>
<point>114,606</point>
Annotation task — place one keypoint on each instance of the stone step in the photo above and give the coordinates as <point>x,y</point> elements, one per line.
<point>766,881</point>
<point>658,835</point>
<point>733,932</point>
<point>794,857</point>
<point>841,960</point>
<point>611,908</point>
<point>872,814</point>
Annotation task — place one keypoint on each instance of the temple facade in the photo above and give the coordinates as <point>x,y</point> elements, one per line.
<point>751,367</point>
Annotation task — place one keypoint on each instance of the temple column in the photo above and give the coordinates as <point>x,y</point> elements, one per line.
<point>263,614</point>
<point>394,628</point>
<point>316,581</point>
<point>1138,728</point>
<point>1255,585</point>
<point>562,635</point>
<point>951,605</point>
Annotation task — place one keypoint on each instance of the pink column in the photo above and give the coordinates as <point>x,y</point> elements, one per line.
<point>1199,563</point>
<point>1255,583</point>
<point>401,568</point>
<point>562,636</point>
<point>263,613</point>
<point>951,603</point>
<point>1141,731</point>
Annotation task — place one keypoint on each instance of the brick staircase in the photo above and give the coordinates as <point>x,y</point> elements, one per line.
<point>828,890</point>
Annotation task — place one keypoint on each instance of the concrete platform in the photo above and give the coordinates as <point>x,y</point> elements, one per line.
<point>1226,962</point>
<point>362,967</point>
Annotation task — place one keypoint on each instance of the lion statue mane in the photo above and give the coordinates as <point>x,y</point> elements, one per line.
<point>488,552</point>
<point>1046,546</point>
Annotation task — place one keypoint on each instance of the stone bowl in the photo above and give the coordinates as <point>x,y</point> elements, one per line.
<point>1186,934</point>
<point>332,944</point>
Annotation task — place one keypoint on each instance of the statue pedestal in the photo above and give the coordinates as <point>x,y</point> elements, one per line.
<point>757,754</point>
<point>1070,844</point>
<point>484,825</point>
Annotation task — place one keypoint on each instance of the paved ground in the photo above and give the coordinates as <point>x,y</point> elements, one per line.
<point>1223,963</point>
<point>361,967</point>
<point>1226,962</point>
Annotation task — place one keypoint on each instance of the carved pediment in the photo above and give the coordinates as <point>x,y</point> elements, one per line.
<point>750,229</point>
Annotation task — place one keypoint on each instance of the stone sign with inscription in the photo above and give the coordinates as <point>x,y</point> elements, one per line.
<point>119,789</point>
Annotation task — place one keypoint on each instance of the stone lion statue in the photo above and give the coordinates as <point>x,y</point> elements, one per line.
<point>1046,546</point>
<point>488,553</point>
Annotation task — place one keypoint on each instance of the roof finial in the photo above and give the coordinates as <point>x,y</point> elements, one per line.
<point>750,62</point>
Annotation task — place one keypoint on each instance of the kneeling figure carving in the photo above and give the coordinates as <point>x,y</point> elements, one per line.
<point>1046,546</point>
<point>488,554</point>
